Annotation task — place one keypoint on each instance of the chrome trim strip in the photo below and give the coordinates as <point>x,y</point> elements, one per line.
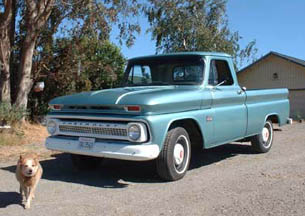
<point>94,118</point>
<point>93,124</point>
<point>140,90</point>
<point>123,95</point>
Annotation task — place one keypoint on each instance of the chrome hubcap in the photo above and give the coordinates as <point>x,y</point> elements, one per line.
<point>265,134</point>
<point>178,154</point>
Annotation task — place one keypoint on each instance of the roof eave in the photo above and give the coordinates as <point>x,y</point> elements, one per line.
<point>267,55</point>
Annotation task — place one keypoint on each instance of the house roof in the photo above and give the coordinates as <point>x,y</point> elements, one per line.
<point>288,58</point>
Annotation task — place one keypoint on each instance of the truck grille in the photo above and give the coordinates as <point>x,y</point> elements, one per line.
<point>93,130</point>
<point>103,130</point>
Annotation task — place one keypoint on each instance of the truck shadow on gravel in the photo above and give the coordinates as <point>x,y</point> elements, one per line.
<point>120,174</point>
<point>201,158</point>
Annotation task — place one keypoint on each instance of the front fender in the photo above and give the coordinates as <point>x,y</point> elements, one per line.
<point>160,124</point>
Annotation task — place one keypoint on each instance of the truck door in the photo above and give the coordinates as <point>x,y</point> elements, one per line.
<point>228,102</point>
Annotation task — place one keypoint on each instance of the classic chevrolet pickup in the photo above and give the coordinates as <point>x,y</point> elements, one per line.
<point>167,106</point>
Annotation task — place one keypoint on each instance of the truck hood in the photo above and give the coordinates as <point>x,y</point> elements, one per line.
<point>152,99</point>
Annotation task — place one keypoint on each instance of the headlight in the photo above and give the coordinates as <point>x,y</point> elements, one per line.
<point>51,127</point>
<point>137,132</point>
<point>134,132</point>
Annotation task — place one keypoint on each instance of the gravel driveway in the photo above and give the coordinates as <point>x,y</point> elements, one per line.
<point>228,180</point>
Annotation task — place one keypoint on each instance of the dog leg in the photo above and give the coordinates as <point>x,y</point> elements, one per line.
<point>22,193</point>
<point>28,202</point>
<point>31,195</point>
<point>33,190</point>
<point>25,193</point>
<point>27,197</point>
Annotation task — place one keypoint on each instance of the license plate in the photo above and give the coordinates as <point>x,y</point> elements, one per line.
<point>86,143</point>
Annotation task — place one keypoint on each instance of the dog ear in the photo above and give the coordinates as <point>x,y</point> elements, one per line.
<point>35,156</point>
<point>20,159</point>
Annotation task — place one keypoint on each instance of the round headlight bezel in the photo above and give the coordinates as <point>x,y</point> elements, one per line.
<point>142,132</point>
<point>134,132</point>
<point>51,127</point>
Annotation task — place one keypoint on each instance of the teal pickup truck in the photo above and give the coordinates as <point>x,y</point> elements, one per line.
<point>167,106</point>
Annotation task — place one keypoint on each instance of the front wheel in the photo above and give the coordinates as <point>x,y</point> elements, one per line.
<point>262,142</point>
<point>174,159</point>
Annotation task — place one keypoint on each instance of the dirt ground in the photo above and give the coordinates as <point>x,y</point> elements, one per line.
<point>227,180</point>
<point>23,139</point>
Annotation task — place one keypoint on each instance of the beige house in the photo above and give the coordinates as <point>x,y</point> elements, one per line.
<point>276,70</point>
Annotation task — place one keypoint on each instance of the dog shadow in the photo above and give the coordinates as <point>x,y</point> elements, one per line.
<point>119,174</point>
<point>9,198</point>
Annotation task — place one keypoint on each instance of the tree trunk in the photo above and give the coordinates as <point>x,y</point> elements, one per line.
<point>5,51</point>
<point>13,70</point>
<point>25,81</point>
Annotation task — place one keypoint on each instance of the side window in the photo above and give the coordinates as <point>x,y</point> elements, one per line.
<point>220,72</point>
<point>140,74</point>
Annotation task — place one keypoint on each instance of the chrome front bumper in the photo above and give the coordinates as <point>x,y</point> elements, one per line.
<point>137,152</point>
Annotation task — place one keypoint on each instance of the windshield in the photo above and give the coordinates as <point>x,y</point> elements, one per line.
<point>164,70</point>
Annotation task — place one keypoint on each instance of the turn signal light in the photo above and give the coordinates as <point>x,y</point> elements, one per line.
<point>133,108</point>
<point>56,106</point>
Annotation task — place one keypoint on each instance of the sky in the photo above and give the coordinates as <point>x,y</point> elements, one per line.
<point>276,25</point>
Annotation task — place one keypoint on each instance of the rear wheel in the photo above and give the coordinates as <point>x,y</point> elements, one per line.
<point>83,162</point>
<point>262,142</point>
<point>174,159</point>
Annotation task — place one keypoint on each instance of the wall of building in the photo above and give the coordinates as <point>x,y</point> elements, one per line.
<point>260,75</point>
<point>297,103</point>
<point>289,75</point>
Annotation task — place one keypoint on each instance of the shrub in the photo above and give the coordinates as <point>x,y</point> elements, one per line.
<point>11,114</point>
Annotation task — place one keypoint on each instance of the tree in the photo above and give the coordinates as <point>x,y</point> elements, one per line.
<point>6,43</point>
<point>41,23</point>
<point>102,63</point>
<point>194,25</point>
<point>36,15</point>
<point>91,64</point>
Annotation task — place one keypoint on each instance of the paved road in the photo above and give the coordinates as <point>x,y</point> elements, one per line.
<point>228,180</point>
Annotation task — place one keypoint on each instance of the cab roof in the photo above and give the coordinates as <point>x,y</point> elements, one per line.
<point>184,53</point>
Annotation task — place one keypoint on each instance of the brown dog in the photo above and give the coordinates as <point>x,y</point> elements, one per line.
<point>28,173</point>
